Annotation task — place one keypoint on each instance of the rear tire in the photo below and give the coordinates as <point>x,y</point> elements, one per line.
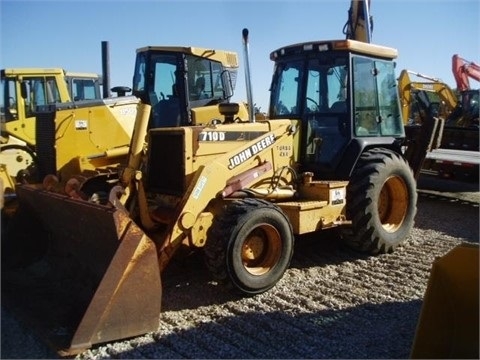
<point>381,202</point>
<point>250,245</point>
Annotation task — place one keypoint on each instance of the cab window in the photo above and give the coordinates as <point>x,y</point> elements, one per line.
<point>40,91</point>
<point>8,100</point>
<point>376,106</point>
<point>326,87</point>
<point>84,89</point>
<point>204,79</point>
<point>285,95</point>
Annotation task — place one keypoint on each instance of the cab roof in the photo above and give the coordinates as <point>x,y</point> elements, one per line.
<point>227,58</point>
<point>332,45</point>
<point>46,72</point>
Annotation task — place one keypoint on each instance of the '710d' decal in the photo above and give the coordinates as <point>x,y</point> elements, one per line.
<point>252,150</point>
<point>212,136</point>
<point>229,135</point>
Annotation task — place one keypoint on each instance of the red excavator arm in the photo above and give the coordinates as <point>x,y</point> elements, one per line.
<point>463,70</point>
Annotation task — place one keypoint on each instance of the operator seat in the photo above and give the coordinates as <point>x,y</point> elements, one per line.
<point>328,129</point>
<point>338,107</point>
<point>200,87</point>
<point>153,98</point>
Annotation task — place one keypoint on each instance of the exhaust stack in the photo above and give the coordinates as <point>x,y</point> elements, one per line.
<point>251,110</point>
<point>105,69</point>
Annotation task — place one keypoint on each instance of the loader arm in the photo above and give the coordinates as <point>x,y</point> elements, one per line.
<point>209,181</point>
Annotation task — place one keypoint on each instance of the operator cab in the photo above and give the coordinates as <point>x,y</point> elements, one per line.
<point>345,94</point>
<point>174,80</point>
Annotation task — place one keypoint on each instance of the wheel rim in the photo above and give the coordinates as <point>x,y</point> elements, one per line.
<point>261,250</point>
<point>393,203</point>
<point>18,159</point>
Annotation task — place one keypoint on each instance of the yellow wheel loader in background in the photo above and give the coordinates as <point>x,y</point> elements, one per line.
<point>238,189</point>
<point>21,91</point>
<point>183,86</point>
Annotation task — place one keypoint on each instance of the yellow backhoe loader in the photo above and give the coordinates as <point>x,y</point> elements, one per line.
<point>183,86</point>
<point>238,189</point>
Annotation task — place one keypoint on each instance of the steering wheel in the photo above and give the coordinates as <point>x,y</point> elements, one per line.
<point>317,108</point>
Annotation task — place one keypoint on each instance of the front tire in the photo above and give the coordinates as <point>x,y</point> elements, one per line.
<point>381,202</point>
<point>250,245</point>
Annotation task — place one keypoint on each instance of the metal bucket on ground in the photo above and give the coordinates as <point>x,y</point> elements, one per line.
<point>97,278</point>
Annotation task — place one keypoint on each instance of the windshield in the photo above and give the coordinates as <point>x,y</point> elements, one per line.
<point>158,75</point>
<point>375,100</point>
<point>173,82</point>
<point>204,79</point>
<point>309,86</point>
<point>84,89</point>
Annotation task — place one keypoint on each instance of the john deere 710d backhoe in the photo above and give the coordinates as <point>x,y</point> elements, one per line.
<point>237,188</point>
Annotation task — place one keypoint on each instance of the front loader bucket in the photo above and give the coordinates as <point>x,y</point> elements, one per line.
<point>448,324</point>
<point>98,281</point>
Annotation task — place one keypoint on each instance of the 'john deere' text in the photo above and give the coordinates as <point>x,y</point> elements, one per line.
<point>254,149</point>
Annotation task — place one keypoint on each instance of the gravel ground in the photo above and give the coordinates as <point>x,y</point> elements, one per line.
<point>331,303</point>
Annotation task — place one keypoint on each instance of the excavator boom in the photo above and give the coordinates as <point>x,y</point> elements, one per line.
<point>359,25</point>
<point>421,92</point>
<point>463,70</point>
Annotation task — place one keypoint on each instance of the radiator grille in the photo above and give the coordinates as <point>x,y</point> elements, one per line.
<point>45,142</point>
<point>166,162</point>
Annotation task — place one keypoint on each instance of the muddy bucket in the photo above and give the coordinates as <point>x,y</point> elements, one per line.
<point>98,278</point>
